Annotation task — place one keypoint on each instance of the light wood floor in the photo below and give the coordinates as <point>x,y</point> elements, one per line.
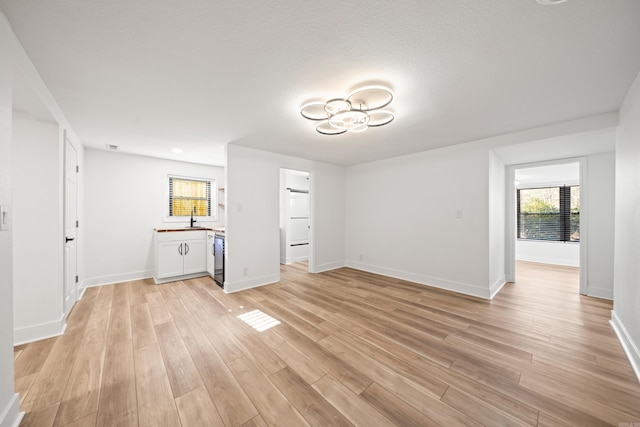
<point>351,348</point>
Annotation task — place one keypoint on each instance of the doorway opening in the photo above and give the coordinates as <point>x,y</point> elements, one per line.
<point>546,205</point>
<point>295,218</point>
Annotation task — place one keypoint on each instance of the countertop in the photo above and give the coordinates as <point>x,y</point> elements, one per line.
<point>170,230</point>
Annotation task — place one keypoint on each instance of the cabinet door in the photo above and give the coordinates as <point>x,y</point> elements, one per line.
<point>210,255</point>
<point>170,259</point>
<point>195,258</point>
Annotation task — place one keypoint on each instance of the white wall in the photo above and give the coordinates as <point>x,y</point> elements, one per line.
<point>626,294</point>
<point>123,201</point>
<point>9,401</point>
<point>497,218</point>
<point>37,229</point>
<point>252,230</point>
<point>558,253</point>
<point>401,218</point>
<point>601,223</point>
<point>401,212</point>
<point>13,57</point>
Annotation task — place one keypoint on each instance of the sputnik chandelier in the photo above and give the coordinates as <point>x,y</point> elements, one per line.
<point>356,113</point>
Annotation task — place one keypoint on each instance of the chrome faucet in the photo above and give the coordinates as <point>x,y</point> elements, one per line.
<point>193,221</point>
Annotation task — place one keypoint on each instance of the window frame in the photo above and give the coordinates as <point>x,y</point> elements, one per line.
<point>564,211</point>
<point>166,197</point>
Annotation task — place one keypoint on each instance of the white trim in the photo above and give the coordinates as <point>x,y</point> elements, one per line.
<point>116,278</point>
<point>292,260</point>
<point>448,285</point>
<point>312,224</point>
<point>181,277</point>
<point>81,290</point>
<point>584,226</point>
<point>11,416</point>
<point>630,348</point>
<point>497,285</point>
<point>250,283</point>
<point>40,331</point>
<point>510,221</point>
<point>328,266</point>
<point>603,293</point>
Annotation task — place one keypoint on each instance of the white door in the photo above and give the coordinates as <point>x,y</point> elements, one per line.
<point>70,225</point>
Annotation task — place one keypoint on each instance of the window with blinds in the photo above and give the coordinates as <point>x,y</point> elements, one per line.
<point>190,196</point>
<point>550,213</point>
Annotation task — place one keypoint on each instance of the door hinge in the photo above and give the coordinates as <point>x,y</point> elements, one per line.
<point>77,169</point>
<point>77,223</point>
<point>76,279</point>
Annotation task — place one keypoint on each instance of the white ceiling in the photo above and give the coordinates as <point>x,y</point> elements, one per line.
<point>150,75</point>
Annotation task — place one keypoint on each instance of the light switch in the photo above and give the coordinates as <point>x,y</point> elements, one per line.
<point>4,217</point>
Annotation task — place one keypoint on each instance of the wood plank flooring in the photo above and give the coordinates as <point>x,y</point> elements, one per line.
<point>352,348</point>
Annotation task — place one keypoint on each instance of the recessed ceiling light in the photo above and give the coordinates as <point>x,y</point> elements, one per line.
<point>550,2</point>
<point>111,147</point>
<point>177,151</point>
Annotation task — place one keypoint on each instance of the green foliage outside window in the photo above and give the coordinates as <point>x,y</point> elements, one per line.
<point>551,213</point>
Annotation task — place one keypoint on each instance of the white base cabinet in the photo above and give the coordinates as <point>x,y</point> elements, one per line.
<point>179,255</point>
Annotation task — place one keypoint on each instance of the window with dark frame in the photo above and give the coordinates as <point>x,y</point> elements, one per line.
<point>549,213</point>
<point>189,196</point>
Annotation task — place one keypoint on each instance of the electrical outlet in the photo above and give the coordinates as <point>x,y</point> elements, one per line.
<point>459,214</point>
<point>245,271</point>
<point>360,257</point>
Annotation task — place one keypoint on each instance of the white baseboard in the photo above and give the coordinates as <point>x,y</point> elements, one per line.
<point>319,268</point>
<point>81,290</point>
<point>448,285</point>
<point>40,331</point>
<point>552,261</point>
<point>116,278</point>
<point>630,347</point>
<point>600,293</point>
<point>177,278</point>
<point>250,283</point>
<point>497,285</point>
<point>291,260</point>
<point>11,416</point>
